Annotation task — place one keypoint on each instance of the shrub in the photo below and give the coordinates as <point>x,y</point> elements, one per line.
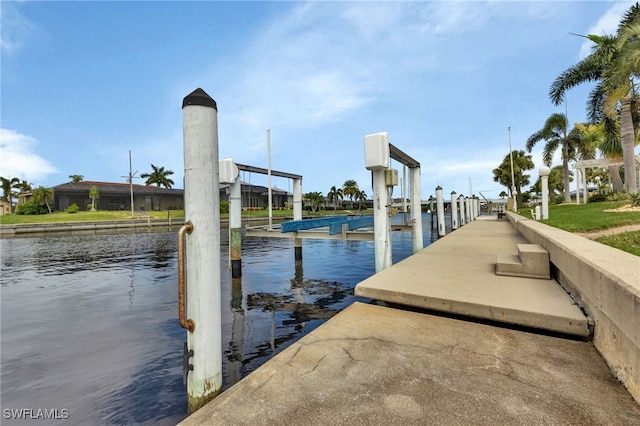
<point>224,207</point>
<point>618,196</point>
<point>635,199</point>
<point>73,208</point>
<point>597,198</point>
<point>32,207</point>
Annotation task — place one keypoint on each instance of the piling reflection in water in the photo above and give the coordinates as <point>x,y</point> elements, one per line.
<point>89,322</point>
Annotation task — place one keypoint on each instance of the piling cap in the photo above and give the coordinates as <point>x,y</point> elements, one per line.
<point>438,188</point>
<point>453,192</point>
<point>199,97</point>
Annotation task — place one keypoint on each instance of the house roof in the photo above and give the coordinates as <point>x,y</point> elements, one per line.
<point>115,188</point>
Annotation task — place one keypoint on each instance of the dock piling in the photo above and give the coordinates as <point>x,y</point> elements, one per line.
<point>201,201</point>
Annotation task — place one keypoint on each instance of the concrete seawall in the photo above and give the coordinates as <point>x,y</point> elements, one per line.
<point>605,282</point>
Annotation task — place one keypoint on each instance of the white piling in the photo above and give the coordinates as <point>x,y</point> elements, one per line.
<point>416,209</point>
<point>201,205</point>
<point>467,209</point>
<point>454,210</point>
<point>440,212</point>
<point>461,207</point>
<point>376,153</point>
<point>297,215</point>
<point>544,182</point>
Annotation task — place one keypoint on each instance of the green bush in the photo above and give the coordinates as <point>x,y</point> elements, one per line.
<point>224,207</point>
<point>32,208</point>
<point>618,196</point>
<point>73,208</point>
<point>597,198</point>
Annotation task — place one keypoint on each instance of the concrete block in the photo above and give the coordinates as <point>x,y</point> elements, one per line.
<point>532,261</point>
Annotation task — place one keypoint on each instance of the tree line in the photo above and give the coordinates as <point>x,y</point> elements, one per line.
<point>337,195</point>
<point>612,109</point>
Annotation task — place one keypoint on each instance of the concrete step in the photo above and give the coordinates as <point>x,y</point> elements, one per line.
<point>532,261</point>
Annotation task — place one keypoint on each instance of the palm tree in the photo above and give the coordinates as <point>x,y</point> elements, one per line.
<point>502,174</point>
<point>350,189</point>
<point>8,185</point>
<point>360,197</point>
<point>41,196</point>
<point>94,194</point>
<point>502,195</point>
<point>76,178</point>
<point>555,133</point>
<point>159,176</point>
<point>334,195</point>
<point>315,198</point>
<point>613,65</point>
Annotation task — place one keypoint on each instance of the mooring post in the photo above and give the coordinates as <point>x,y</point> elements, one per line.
<point>467,210</point>
<point>235,228</point>
<point>544,182</point>
<point>454,210</point>
<point>376,153</point>
<point>297,215</point>
<point>201,205</point>
<point>440,209</point>
<point>461,207</point>
<point>477,204</point>
<point>431,211</point>
<point>416,209</point>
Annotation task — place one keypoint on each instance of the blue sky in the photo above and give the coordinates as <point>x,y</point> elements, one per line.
<point>85,82</point>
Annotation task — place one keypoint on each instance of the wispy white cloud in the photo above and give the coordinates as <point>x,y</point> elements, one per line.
<point>607,24</point>
<point>14,28</point>
<point>19,159</point>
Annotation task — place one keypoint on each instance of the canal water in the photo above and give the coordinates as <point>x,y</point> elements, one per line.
<point>89,327</point>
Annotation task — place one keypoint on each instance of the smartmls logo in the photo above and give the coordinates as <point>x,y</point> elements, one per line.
<point>35,414</point>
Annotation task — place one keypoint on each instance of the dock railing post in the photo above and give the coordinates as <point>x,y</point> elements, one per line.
<point>440,209</point>
<point>202,209</point>
<point>416,209</point>
<point>454,210</point>
<point>297,215</point>
<point>461,207</point>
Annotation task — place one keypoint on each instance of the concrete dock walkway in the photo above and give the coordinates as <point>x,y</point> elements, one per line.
<point>373,365</point>
<point>456,274</point>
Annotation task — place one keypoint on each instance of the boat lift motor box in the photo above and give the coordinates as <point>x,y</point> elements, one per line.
<point>376,151</point>
<point>228,171</point>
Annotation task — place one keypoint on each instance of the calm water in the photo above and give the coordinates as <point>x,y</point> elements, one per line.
<point>89,322</point>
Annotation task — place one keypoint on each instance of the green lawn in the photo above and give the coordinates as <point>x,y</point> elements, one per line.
<point>627,241</point>
<point>61,217</point>
<point>587,217</point>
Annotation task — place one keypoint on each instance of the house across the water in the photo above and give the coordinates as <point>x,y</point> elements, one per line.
<point>117,196</point>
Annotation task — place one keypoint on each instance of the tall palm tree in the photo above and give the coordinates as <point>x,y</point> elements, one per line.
<point>334,195</point>
<point>159,177</point>
<point>41,196</point>
<point>612,65</point>
<point>350,189</point>
<point>555,133</point>
<point>502,174</point>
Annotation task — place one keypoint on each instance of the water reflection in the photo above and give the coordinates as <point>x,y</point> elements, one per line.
<point>89,322</point>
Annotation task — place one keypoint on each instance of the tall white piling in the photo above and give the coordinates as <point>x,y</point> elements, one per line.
<point>235,228</point>
<point>376,152</point>
<point>467,209</point>
<point>544,182</point>
<point>297,215</point>
<point>454,210</point>
<point>416,209</point>
<point>201,205</point>
<point>461,208</point>
<point>440,212</point>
